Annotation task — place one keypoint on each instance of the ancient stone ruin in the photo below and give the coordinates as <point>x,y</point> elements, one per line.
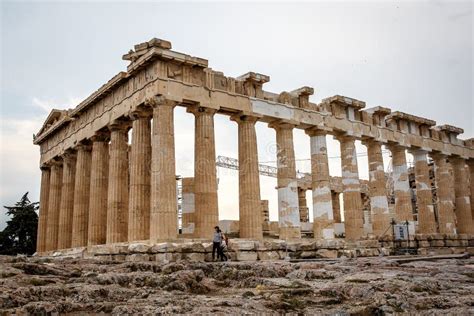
<point>100,196</point>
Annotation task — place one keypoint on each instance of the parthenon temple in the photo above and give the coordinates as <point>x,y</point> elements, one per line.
<point>97,188</point>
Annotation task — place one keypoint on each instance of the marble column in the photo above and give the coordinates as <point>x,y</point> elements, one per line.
<point>117,196</point>
<point>250,218</point>
<point>81,196</point>
<point>54,204</point>
<point>424,196</point>
<point>470,164</point>
<point>164,208</point>
<point>187,206</point>
<point>303,206</point>
<point>97,230</point>
<point>462,202</point>
<point>140,164</point>
<point>445,203</point>
<point>288,210</point>
<point>43,211</point>
<point>403,206</point>
<point>377,189</point>
<point>323,213</point>
<point>353,214</point>
<point>205,179</point>
<point>67,201</point>
<point>336,207</point>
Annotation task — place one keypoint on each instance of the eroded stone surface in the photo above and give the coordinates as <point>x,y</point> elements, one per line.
<point>344,287</point>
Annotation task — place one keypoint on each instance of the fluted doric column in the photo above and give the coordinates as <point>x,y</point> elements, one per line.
<point>424,196</point>
<point>377,190</point>
<point>353,214</point>
<point>462,202</point>
<point>164,209</point>
<point>43,211</point>
<point>97,229</point>
<point>323,213</point>
<point>470,164</point>
<point>288,210</point>
<point>250,218</point>
<point>81,196</point>
<point>445,203</point>
<point>303,205</point>
<point>188,208</point>
<point>336,207</point>
<point>117,197</point>
<point>67,201</point>
<point>403,206</point>
<point>140,164</point>
<point>54,204</point>
<point>205,179</point>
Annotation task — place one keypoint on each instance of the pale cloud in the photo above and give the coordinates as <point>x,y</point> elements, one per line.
<point>48,105</point>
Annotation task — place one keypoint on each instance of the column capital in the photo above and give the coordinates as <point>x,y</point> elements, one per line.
<point>200,110</point>
<point>367,141</point>
<point>394,146</point>
<point>318,131</point>
<point>418,151</point>
<point>457,160</point>
<point>470,162</point>
<point>84,146</point>
<point>245,117</point>
<point>101,136</point>
<point>159,100</point>
<point>141,113</point>
<point>438,156</point>
<point>69,155</point>
<point>121,124</point>
<point>283,124</point>
<point>56,162</point>
<point>344,137</point>
<point>45,167</point>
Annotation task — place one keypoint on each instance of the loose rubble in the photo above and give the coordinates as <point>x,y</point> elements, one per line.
<point>357,286</point>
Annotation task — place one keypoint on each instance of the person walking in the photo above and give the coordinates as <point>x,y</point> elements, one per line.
<point>216,243</point>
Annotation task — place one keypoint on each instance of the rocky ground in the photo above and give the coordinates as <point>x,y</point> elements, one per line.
<point>363,286</point>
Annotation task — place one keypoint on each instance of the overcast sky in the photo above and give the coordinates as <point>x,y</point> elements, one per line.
<point>414,57</point>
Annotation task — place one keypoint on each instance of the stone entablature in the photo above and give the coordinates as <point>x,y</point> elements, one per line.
<point>186,80</point>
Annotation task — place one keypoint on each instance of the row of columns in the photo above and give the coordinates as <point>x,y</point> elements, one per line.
<point>104,194</point>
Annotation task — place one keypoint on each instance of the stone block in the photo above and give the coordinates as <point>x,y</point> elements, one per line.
<point>452,243</point>
<point>370,243</point>
<point>308,246</point>
<point>119,257</point>
<point>275,244</point>
<point>189,247</point>
<point>437,243</point>
<point>458,250</point>
<point>136,257</point>
<point>165,257</point>
<point>138,248</point>
<point>470,250</point>
<point>422,251</point>
<point>326,253</point>
<point>308,255</point>
<point>163,247</point>
<point>424,244</point>
<point>246,256</point>
<point>385,251</point>
<point>283,254</point>
<point>268,255</point>
<point>294,246</point>
<point>207,246</point>
<point>239,245</point>
<point>194,256</point>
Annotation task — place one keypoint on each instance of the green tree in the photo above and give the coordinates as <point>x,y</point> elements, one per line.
<point>19,237</point>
